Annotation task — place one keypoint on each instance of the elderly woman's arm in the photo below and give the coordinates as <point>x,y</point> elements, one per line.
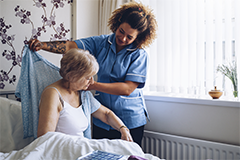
<point>49,107</point>
<point>108,117</point>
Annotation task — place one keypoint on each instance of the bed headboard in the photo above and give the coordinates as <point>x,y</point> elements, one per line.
<point>9,95</point>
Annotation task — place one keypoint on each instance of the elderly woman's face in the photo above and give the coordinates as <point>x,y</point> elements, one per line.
<point>125,35</point>
<point>83,83</point>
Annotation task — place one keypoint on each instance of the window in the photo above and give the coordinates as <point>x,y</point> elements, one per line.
<point>194,37</point>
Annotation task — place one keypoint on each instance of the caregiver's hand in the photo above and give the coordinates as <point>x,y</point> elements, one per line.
<point>92,86</point>
<point>125,134</point>
<point>35,44</point>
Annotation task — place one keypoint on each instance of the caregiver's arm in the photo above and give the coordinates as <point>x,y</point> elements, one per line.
<point>117,88</point>
<point>49,107</point>
<point>60,47</point>
<point>108,117</point>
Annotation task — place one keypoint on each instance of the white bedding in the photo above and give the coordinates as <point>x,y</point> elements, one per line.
<point>52,145</point>
<point>59,146</point>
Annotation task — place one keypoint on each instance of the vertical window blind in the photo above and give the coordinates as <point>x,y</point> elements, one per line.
<point>194,37</point>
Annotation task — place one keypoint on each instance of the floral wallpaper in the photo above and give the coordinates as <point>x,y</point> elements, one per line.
<point>23,20</point>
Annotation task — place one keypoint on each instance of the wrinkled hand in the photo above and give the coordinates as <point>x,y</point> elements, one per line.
<point>125,135</point>
<point>35,44</point>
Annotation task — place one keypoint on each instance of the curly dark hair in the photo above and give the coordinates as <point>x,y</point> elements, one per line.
<point>139,17</point>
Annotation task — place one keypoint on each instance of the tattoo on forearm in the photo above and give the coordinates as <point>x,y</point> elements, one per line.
<point>58,46</point>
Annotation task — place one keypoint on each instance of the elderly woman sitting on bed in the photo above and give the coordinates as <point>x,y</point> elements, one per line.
<point>66,107</point>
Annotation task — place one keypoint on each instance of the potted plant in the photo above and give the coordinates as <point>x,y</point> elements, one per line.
<point>230,72</point>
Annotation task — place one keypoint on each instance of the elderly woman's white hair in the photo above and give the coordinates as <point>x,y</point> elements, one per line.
<point>77,64</point>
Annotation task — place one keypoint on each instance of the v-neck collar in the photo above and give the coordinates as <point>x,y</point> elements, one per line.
<point>112,42</point>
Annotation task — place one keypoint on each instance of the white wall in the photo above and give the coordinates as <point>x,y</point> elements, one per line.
<point>212,120</point>
<point>85,18</point>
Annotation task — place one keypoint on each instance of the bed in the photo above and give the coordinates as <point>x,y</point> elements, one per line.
<point>52,145</point>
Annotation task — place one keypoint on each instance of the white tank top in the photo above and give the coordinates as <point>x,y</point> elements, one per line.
<point>72,120</point>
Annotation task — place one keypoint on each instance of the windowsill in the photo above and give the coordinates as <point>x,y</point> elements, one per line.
<point>192,100</point>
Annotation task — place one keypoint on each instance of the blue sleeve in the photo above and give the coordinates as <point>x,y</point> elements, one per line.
<point>137,71</point>
<point>91,43</point>
<point>95,104</point>
<point>90,105</point>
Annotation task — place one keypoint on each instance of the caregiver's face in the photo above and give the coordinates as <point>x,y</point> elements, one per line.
<point>125,35</point>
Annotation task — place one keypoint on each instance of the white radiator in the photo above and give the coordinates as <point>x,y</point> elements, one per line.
<point>172,147</point>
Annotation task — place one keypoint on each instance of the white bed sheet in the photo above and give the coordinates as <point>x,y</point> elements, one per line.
<point>59,146</point>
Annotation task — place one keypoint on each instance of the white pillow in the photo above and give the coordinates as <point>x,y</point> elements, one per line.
<point>11,128</point>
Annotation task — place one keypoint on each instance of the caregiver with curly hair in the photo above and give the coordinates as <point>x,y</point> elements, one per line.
<point>123,66</point>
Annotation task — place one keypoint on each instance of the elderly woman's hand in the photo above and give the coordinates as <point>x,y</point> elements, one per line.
<point>125,134</point>
<point>35,44</point>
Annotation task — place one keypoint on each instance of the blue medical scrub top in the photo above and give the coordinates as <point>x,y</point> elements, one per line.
<point>130,64</point>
